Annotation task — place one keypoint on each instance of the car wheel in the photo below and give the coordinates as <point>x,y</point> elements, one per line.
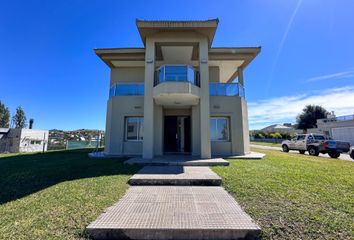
<point>352,154</point>
<point>302,151</point>
<point>313,151</point>
<point>334,155</point>
<point>285,148</point>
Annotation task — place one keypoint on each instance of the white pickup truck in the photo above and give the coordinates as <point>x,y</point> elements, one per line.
<point>315,144</point>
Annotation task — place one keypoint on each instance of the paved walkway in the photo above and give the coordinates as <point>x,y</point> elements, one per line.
<point>165,211</point>
<point>343,156</point>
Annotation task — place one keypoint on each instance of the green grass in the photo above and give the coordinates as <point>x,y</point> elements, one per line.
<point>56,194</point>
<point>294,196</point>
<point>267,144</point>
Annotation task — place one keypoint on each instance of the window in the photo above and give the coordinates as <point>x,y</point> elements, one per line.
<point>301,137</point>
<point>134,128</point>
<point>219,129</point>
<point>319,137</point>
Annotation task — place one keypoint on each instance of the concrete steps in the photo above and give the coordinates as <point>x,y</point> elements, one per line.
<point>178,161</point>
<point>175,175</point>
<point>174,212</point>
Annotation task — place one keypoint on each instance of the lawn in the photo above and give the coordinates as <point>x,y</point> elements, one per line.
<point>267,144</point>
<point>56,194</point>
<point>294,196</point>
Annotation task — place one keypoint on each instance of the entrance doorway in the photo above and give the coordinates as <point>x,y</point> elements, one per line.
<point>177,134</point>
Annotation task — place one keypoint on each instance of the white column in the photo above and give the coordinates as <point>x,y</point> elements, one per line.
<point>148,143</point>
<point>205,151</point>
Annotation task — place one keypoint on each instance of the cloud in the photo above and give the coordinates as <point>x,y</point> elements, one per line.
<point>285,109</point>
<point>333,76</point>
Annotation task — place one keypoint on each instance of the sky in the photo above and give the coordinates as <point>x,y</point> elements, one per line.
<point>48,66</point>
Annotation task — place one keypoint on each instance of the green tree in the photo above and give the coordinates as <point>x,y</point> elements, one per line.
<point>308,118</point>
<point>19,119</point>
<point>4,116</point>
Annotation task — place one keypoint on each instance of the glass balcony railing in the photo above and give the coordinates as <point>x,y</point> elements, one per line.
<point>226,89</point>
<point>176,73</point>
<point>127,89</point>
<point>215,89</point>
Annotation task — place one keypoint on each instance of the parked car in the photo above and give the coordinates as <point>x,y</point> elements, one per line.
<point>351,152</point>
<point>315,144</point>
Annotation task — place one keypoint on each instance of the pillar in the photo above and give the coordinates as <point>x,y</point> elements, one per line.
<point>148,142</point>
<point>205,151</point>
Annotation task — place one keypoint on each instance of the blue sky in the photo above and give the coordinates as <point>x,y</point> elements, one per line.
<point>47,63</point>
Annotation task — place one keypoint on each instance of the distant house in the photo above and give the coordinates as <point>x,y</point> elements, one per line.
<point>339,128</point>
<point>16,140</point>
<point>285,128</point>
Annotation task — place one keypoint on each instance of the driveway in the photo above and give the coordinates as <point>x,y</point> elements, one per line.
<point>343,156</point>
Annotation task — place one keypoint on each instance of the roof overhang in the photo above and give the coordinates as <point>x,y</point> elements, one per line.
<point>123,56</point>
<point>232,60</point>
<point>206,27</point>
<point>229,60</point>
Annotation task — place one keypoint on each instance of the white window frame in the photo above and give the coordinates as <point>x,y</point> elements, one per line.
<point>228,130</point>
<point>126,129</point>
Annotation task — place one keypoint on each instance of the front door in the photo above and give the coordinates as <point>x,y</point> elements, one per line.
<point>177,134</point>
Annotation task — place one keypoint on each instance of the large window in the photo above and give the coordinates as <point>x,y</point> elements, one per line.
<point>219,129</point>
<point>134,128</point>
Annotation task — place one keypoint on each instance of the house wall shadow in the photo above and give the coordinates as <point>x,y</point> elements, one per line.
<point>22,175</point>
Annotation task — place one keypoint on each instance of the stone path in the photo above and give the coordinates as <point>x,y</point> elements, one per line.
<point>155,208</point>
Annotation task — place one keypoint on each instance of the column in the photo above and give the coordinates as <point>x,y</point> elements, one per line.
<point>205,151</point>
<point>148,142</point>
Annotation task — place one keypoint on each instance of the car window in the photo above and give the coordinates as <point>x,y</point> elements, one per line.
<point>310,137</point>
<point>301,137</point>
<point>319,137</point>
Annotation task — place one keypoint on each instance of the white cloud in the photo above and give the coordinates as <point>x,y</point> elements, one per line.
<point>285,109</point>
<point>338,75</point>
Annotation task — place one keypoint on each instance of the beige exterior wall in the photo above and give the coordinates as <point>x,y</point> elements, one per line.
<point>214,74</point>
<point>127,74</point>
<point>234,108</point>
<point>119,108</point>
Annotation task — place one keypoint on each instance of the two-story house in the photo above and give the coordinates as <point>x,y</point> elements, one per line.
<point>177,94</point>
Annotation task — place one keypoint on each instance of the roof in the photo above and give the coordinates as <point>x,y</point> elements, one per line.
<point>205,27</point>
<point>4,130</point>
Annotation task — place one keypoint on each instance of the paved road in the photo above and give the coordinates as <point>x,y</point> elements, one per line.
<point>342,156</point>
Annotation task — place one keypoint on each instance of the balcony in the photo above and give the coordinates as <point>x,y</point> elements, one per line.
<point>226,89</point>
<point>126,89</point>
<point>176,86</point>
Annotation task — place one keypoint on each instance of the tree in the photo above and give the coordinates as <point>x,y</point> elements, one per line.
<point>4,116</point>
<point>19,119</point>
<point>308,118</point>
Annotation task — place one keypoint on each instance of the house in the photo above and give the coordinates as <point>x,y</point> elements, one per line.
<point>177,94</point>
<point>339,128</point>
<point>278,128</point>
<point>16,140</point>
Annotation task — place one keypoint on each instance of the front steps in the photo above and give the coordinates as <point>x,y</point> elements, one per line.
<point>175,175</point>
<point>178,161</point>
